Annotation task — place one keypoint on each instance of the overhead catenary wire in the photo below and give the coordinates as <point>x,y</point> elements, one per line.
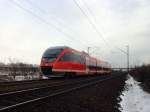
<point>89,10</point>
<point>44,21</point>
<point>58,21</point>
<point>91,23</point>
<point>55,18</point>
<point>92,15</point>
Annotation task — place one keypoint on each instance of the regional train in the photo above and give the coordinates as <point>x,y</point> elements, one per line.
<point>65,61</point>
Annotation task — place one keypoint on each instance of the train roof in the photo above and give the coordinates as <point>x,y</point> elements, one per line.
<point>63,47</point>
<point>82,52</point>
<point>58,47</point>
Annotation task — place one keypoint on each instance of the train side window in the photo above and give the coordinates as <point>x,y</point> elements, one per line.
<point>79,59</point>
<point>67,57</point>
<point>63,58</point>
<point>73,57</point>
<point>83,61</point>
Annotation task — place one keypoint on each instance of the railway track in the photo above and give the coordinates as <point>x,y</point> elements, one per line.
<point>14,83</point>
<point>13,100</point>
<point>19,85</point>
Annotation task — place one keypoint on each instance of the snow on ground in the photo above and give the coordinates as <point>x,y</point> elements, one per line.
<point>134,99</point>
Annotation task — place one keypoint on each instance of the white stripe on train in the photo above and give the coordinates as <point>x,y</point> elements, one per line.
<point>69,70</point>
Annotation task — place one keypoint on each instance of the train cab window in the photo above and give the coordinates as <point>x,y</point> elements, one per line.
<point>52,54</point>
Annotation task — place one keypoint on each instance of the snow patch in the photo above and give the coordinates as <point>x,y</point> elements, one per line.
<point>134,99</point>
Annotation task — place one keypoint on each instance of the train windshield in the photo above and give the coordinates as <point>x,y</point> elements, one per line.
<point>52,54</point>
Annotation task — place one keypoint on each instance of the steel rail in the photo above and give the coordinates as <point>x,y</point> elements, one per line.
<point>27,90</point>
<point>58,93</point>
<point>38,88</point>
<point>36,83</point>
<point>8,98</point>
<point>13,83</point>
<point>28,85</point>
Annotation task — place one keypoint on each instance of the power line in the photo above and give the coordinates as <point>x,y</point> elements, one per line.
<point>89,10</point>
<point>91,13</point>
<point>43,20</point>
<point>92,24</point>
<point>31,3</point>
<point>54,18</point>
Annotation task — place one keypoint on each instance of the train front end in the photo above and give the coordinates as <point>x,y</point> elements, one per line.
<point>49,58</point>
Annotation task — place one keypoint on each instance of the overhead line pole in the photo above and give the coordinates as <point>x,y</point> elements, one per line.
<point>88,50</point>
<point>128,64</point>
<point>128,59</point>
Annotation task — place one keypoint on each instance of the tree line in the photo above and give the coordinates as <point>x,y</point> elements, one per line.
<point>20,69</point>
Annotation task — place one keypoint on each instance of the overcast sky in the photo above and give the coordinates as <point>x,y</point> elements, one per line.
<point>28,27</point>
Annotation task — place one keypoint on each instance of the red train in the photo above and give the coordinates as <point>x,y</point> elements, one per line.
<point>65,61</point>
